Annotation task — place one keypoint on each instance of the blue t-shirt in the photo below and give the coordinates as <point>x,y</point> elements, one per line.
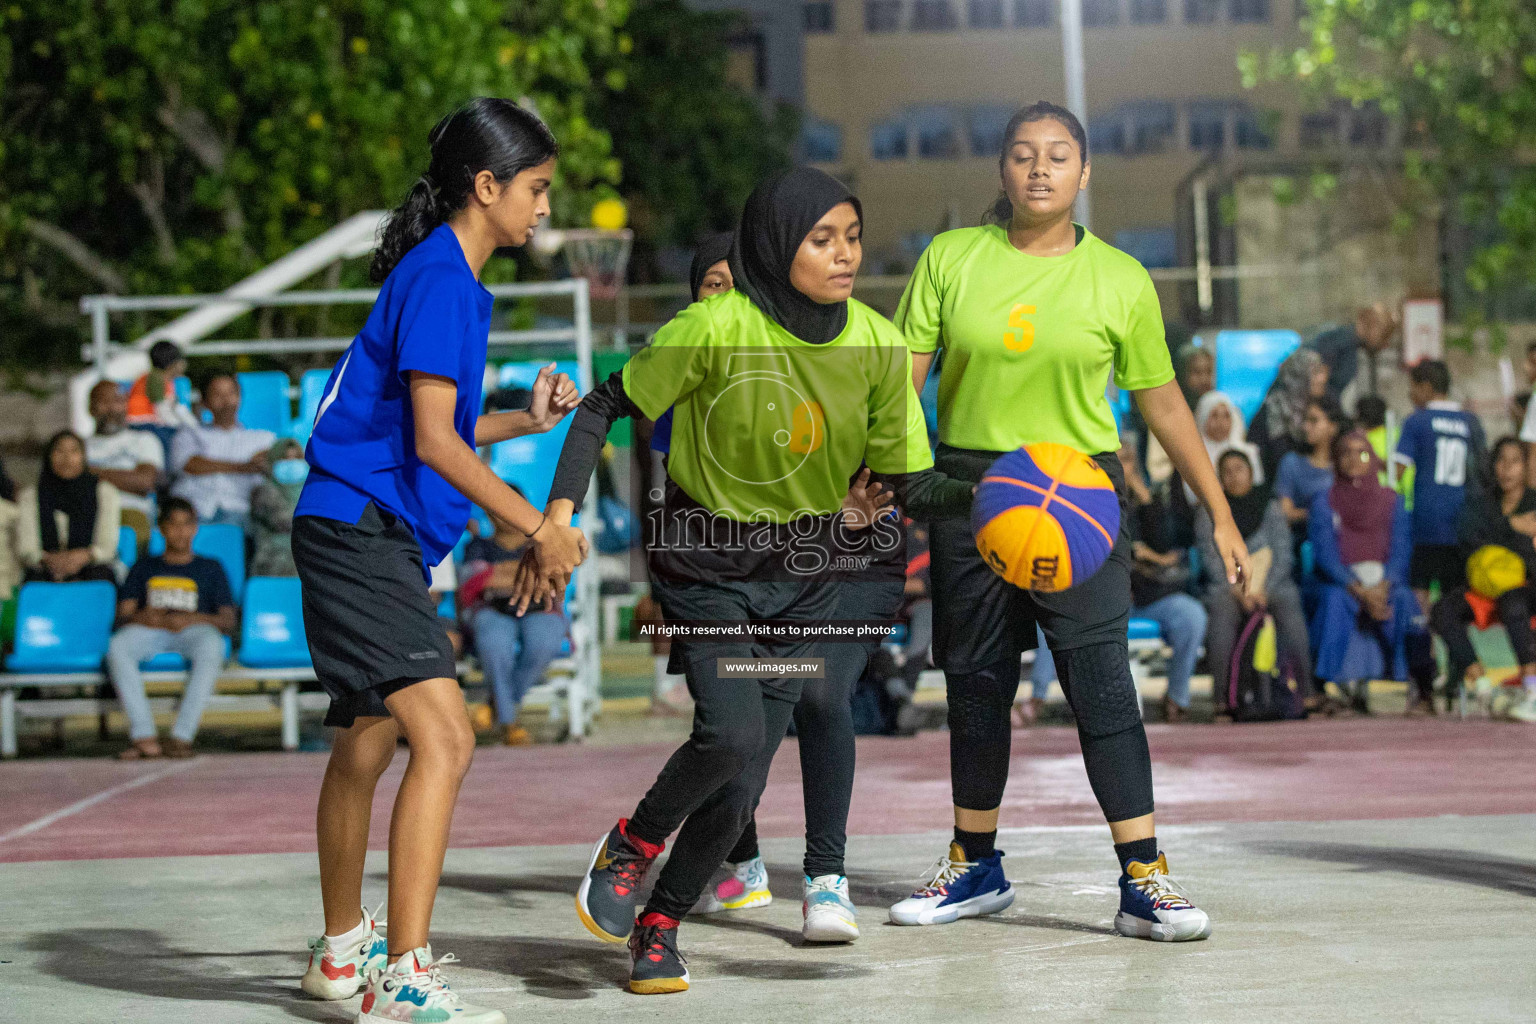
<point>1445,445</point>
<point>1301,481</point>
<point>198,586</point>
<point>431,316</point>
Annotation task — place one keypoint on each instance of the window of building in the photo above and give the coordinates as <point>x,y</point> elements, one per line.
<point>1319,130</point>
<point>1151,126</point>
<point>882,15</point>
<point>1034,13</point>
<point>1368,127</point>
<point>1253,129</point>
<point>746,62</point>
<point>986,14</point>
<point>1152,247</point>
<point>823,141</point>
<point>1097,13</point>
<point>933,16</point>
<point>1106,133</point>
<point>1201,12</point>
<point>1250,11</point>
<point>938,136</point>
<point>1208,125</point>
<point>888,139</point>
<point>820,17</point>
<point>987,125</point>
<point>1149,12</point>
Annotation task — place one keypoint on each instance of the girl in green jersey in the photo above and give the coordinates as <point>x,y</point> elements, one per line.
<point>1034,314</point>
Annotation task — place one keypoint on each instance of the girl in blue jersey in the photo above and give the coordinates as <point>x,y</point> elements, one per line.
<point>393,473</point>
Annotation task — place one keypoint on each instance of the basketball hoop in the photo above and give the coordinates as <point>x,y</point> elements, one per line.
<point>599,256</point>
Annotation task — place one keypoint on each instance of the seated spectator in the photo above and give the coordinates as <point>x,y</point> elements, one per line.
<point>513,651</point>
<point>1277,426</point>
<point>152,400</point>
<point>1503,513</point>
<point>1196,374</point>
<point>177,602</point>
<point>219,465</point>
<point>272,505</point>
<point>130,460</point>
<point>67,526</point>
<point>1270,587</point>
<point>1221,428</point>
<point>1302,477</point>
<point>1362,543</point>
<point>1159,574</point>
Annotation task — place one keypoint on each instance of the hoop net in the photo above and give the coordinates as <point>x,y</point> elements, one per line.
<point>599,256</point>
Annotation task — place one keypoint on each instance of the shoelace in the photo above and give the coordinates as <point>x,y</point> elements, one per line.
<point>629,870</point>
<point>375,919</point>
<point>1162,891</point>
<point>819,888</point>
<point>935,881</point>
<point>657,941</point>
<point>435,986</point>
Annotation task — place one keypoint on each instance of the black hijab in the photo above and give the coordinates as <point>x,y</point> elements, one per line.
<point>75,498</point>
<point>710,251</point>
<point>779,213</point>
<point>1247,511</point>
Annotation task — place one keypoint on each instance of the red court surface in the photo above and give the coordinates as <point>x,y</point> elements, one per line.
<point>264,803</point>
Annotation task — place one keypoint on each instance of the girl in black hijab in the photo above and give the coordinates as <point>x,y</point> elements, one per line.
<point>780,389</point>
<point>68,496</point>
<point>710,272</point>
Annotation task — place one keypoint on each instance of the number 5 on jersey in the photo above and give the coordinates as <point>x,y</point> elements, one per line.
<point>1020,335</point>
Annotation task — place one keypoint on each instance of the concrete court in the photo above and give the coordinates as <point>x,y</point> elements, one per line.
<point>1403,920</point>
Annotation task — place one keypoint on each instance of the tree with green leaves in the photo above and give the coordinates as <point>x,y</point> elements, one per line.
<point>1461,77</point>
<point>153,147</point>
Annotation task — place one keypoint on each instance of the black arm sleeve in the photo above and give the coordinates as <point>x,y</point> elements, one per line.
<point>597,412</point>
<point>928,494</point>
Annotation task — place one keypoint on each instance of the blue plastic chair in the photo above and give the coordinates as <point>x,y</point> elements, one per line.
<point>1143,629</point>
<point>1246,363</point>
<point>222,541</point>
<point>264,402</point>
<point>127,546</point>
<point>272,627</point>
<point>170,661</point>
<point>63,627</point>
<point>311,391</point>
<point>529,462</point>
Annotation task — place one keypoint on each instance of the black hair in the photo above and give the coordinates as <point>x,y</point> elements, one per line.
<point>170,505</point>
<point>486,134</point>
<point>1433,372</point>
<point>1490,478</point>
<point>164,354</point>
<point>1002,210</point>
<point>1331,408</point>
<point>1234,453</point>
<point>1371,411</point>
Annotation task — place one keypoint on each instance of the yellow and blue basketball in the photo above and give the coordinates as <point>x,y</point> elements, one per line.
<point>1046,517</point>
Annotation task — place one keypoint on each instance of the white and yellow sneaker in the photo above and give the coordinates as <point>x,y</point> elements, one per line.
<point>744,887</point>
<point>338,971</point>
<point>413,990</point>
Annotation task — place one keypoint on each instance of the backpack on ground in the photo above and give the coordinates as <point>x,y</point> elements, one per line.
<point>1260,688</point>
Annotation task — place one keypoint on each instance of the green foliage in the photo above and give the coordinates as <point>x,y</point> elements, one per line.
<point>176,146</point>
<point>1461,76</point>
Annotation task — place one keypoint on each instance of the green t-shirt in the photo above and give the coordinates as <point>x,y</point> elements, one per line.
<point>1029,340</point>
<point>770,428</point>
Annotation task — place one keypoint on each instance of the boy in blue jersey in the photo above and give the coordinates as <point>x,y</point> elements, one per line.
<point>1445,446</point>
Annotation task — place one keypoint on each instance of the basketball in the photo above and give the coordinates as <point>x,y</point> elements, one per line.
<point>1046,517</point>
<point>1494,570</point>
<point>610,214</point>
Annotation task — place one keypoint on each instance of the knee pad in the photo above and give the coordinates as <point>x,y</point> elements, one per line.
<point>1098,684</point>
<point>979,702</point>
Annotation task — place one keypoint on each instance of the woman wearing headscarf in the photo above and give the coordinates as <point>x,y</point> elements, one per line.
<point>67,529</point>
<point>272,505</point>
<point>1277,426</point>
<point>1361,542</point>
<point>1263,526</point>
<point>1221,428</point>
<point>782,389</point>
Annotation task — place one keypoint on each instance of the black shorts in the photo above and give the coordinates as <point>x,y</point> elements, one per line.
<point>1443,562</point>
<point>373,628</point>
<point>981,619</point>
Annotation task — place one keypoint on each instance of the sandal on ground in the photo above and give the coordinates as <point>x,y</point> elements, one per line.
<point>177,748</point>
<point>141,750</point>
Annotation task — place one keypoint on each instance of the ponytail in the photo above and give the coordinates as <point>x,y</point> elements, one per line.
<point>1001,211</point>
<point>486,134</point>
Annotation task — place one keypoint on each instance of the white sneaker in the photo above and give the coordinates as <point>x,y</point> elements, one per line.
<point>413,990</point>
<point>743,887</point>
<point>1153,907</point>
<point>829,913</point>
<point>1525,710</point>
<point>337,972</point>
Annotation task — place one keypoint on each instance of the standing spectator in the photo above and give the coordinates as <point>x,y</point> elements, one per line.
<point>1341,346</point>
<point>513,650</point>
<point>152,400</point>
<point>219,465</point>
<point>1501,513</point>
<point>1302,477</point>
<point>272,505</point>
<point>1371,416</point>
<point>177,602</point>
<point>1159,574</point>
<point>130,460</point>
<point>1362,543</point>
<point>1277,426</point>
<point>1446,447</point>
<point>67,528</point>
<point>1264,528</point>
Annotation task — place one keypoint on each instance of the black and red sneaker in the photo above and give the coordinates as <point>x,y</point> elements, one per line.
<point>608,894</point>
<point>658,966</point>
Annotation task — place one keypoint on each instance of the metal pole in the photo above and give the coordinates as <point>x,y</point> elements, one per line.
<point>1077,91</point>
<point>1201,200</point>
<point>587,681</point>
<point>99,329</point>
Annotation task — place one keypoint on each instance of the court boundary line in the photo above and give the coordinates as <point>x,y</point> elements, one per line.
<point>87,803</point>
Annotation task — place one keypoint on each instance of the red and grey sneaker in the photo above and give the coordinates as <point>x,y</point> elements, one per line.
<point>337,970</point>
<point>658,966</point>
<point>611,888</point>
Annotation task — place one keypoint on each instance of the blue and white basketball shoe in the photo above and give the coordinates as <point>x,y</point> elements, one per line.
<point>957,888</point>
<point>1152,907</point>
